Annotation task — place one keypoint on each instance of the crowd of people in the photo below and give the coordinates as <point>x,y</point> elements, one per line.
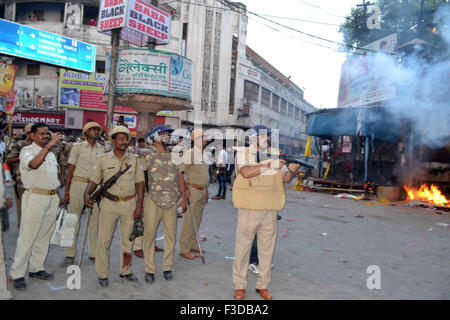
<point>149,187</point>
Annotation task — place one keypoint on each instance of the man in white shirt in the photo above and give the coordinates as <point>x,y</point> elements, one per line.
<point>39,170</point>
<point>222,173</point>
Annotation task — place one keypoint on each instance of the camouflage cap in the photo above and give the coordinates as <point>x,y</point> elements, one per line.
<point>120,129</point>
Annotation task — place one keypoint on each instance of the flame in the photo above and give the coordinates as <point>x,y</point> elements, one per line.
<point>431,195</point>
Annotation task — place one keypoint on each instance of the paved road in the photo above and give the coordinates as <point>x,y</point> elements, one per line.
<point>414,262</point>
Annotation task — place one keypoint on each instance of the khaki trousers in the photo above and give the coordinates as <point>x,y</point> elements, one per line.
<point>263,223</point>
<point>188,241</point>
<point>110,212</point>
<point>137,245</point>
<point>152,217</point>
<point>76,205</point>
<point>37,226</point>
<point>4,293</point>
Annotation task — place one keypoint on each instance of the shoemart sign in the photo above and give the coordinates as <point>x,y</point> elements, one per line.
<point>32,117</point>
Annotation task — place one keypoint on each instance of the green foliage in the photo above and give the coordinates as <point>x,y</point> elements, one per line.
<point>400,16</point>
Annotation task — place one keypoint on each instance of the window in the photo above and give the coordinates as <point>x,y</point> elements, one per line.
<point>99,66</point>
<point>90,15</point>
<point>2,11</point>
<point>283,106</point>
<point>184,39</point>
<point>297,113</point>
<point>39,11</point>
<point>265,97</point>
<point>33,69</point>
<point>275,102</point>
<point>251,91</point>
<point>290,110</point>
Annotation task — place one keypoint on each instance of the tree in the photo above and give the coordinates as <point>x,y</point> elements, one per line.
<point>400,16</point>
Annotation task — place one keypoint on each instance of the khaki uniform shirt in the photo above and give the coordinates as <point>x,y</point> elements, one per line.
<point>13,152</point>
<point>195,167</point>
<point>109,164</point>
<point>83,156</point>
<point>44,177</point>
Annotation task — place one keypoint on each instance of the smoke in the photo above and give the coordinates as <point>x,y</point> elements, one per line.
<point>422,88</point>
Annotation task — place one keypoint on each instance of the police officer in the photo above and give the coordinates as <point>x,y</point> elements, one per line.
<point>12,158</point>
<point>81,164</point>
<point>137,245</point>
<point>118,203</point>
<point>39,172</point>
<point>165,187</point>
<point>258,193</point>
<point>195,167</point>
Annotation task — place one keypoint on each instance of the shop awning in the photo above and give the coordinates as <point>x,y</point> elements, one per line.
<point>374,122</point>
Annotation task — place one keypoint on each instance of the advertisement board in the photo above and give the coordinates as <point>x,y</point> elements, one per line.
<point>30,43</point>
<point>112,14</point>
<point>148,20</point>
<point>7,77</point>
<point>154,72</point>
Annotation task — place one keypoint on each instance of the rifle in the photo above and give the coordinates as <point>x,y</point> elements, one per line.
<point>97,195</point>
<point>288,159</point>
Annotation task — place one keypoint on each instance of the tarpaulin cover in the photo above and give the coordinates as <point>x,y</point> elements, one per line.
<point>372,122</point>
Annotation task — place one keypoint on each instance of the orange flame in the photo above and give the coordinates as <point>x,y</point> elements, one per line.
<point>431,195</point>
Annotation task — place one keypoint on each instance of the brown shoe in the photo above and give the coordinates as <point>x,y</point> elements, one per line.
<point>139,253</point>
<point>197,250</point>
<point>217,198</point>
<point>158,249</point>
<point>223,197</point>
<point>189,256</point>
<point>239,294</point>
<point>264,293</point>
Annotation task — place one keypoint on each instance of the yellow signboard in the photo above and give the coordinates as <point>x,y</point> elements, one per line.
<point>7,77</point>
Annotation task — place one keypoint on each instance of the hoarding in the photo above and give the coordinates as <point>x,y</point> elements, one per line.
<point>148,20</point>
<point>30,43</point>
<point>7,77</point>
<point>154,72</point>
<point>112,14</point>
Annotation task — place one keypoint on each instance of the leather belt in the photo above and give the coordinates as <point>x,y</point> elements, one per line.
<point>80,179</point>
<point>117,198</point>
<point>196,186</point>
<point>44,192</point>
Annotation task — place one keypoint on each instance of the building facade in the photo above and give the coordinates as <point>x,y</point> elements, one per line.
<point>233,87</point>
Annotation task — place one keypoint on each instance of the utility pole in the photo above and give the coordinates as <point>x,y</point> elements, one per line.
<point>364,19</point>
<point>115,37</point>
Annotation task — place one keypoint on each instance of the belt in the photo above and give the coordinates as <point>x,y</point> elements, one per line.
<point>117,198</point>
<point>196,186</point>
<point>43,191</point>
<point>80,179</point>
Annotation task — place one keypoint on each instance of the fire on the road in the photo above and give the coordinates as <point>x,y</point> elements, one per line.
<point>431,195</point>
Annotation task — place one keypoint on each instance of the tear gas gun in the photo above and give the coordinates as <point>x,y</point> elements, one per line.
<point>288,159</point>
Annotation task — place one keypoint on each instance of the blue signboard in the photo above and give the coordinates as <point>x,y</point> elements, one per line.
<point>23,41</point>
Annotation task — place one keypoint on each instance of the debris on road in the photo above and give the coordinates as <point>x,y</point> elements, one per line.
<point>285,235</point>
<point>445,225</point>
<point>203,238</point>
<point>326,250</point>
<point>217,235</point>
<point>292,220</point>
<point>324,234</point>
<point>343,260</point>
<point>430,229</point>
<point>359,216</point>
<point>349,196</point>
<point>160,238</point>
<point>229,258</point>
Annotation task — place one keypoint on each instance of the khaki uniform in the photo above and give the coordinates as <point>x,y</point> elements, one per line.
<point>83,156</point>
<point>196,175</point>
<point>13,152</point>
<point>4,293</point>
<point>160,204</point>
<point>137,245</point>
<point>39,208</point>
<point>257,200</point>
<point>106,166</point>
